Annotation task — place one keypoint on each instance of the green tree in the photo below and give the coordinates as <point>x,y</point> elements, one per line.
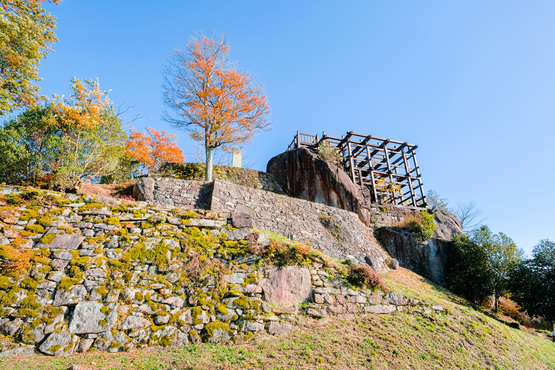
<point>468,273</point>
<point>26,35</point>
<point>502,257</point>
<point>480,265</point>
<point>29,148</point>
<point>532,281</point>
<point>65,141</point>
<point>435,201</point>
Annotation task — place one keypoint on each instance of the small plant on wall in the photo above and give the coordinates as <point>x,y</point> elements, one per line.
<point>423,226</point>
<point>329,153</point>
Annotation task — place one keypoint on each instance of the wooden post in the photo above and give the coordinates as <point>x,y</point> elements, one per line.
<point>424,200</point>
<point>351,161</point>
<point>389,171</point>
<point>407,171</point>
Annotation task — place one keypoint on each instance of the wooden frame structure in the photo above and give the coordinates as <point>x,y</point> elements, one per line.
<point>388,168</point>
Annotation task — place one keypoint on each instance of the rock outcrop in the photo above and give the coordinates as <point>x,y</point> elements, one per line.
<point>301,174</point>
<point>428,258</point>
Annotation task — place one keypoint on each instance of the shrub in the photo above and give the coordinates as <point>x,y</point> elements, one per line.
<point>423,226</point>
<point>15,259</point>
<point>364,276</point>
<point>329,153</point>
<point>289,254</point>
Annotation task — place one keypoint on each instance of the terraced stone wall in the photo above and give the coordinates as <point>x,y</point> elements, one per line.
<point>77,273</point>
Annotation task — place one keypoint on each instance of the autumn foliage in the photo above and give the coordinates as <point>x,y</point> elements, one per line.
<point>219,105</point>
<point>153,148</point>
<point>27,34</point>
<point>14,258</point>
<point>65,141</point>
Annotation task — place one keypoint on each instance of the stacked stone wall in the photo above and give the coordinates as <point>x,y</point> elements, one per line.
<point>116,276</point>
<point>336,232</point>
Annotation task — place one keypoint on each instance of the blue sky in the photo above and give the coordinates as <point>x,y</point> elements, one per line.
<point>471,83</point>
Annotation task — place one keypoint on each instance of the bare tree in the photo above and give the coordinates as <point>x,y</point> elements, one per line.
<point>470,216</point>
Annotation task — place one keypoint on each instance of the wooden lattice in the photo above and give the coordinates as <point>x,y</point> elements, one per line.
<point>387,167</point>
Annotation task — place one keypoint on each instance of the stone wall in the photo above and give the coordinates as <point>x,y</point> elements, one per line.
<point>240,176</point>
<point>117,276</point>
<point>185,194</point>
<point>336,232</point>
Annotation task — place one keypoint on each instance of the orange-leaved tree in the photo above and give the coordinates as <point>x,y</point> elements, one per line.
<point>153,148</point>
<point>220,105</point>
<point>27,34</point>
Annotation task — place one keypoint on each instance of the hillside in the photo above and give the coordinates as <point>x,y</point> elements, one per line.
<point>460,338</point>
<point>107,283</point>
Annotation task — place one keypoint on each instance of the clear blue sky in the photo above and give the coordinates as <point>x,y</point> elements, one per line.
<point>471,82</point>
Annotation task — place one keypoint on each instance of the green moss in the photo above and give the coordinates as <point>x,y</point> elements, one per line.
<point>90,206</point>
<point>190,215</point>
<point>29,214</point>
<point>233,248</point>
<point>112,221</point>
<point>102,290</point>
<point>210,328</point>
<point>139,296</point>
<point>47,239</point>
<point>251,279</point>
<point>146,225</point>
<point>29,283</point>
<point>63,202</point>
<point>196,312</point>
<point>121,208</point>
<point>66,283</point>
<point>115,263</point>
<point>139,213</point>
<point>115,344</point>
<point>56,211</point>
<point>45,221</point>
<point>222,308</point>
<point>35,229</point>
<point>55,348</point>
<point>234,293</point>
<point>30,302</point>
<point>5,283</point>
<point>81,261</point>
<point>10,297</point>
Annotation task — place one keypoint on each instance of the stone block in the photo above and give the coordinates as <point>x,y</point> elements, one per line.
<point>287,286</point>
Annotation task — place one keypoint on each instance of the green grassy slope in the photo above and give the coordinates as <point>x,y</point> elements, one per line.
<point>460,338</point>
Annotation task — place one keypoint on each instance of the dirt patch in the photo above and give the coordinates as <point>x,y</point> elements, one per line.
<point>123,191</point>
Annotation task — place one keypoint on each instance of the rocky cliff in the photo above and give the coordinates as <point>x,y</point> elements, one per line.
<point>303,175</point>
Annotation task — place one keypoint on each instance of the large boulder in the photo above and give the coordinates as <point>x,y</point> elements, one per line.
<point>144,189</point>
<point>93,318</point>
<point>301,174</point>
<point>59,344</point>
<point>287,286</point>
<point>447,225</point>
<point>428,258</point>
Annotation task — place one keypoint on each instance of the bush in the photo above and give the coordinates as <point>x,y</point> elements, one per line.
<point>290,254</point>
<point>423,226</point>
<point>364,276</point>
<point>15,259</point>
<point>329,153</point>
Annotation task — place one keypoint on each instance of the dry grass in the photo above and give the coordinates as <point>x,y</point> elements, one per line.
<point>108,190</point>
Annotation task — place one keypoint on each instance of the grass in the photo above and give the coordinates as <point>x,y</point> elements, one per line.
<point>461,338</point>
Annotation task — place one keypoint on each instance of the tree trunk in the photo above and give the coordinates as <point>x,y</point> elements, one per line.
<point>209,163</point>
